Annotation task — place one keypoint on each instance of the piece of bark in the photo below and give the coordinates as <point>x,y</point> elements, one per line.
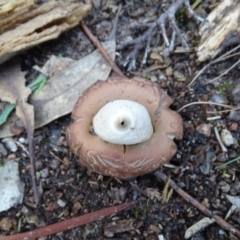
<point>24,24</point>
<point>223,30</point>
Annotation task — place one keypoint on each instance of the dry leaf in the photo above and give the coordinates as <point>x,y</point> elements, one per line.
<point>13,90</point>
<point>59,95</point>
<point>234,200</point>
<point>24,24</point>
<point>55,65</point>
<point>61,92</point>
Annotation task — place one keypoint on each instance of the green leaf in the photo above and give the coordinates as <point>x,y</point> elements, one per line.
<point>220,89</point>
<point>181,10</point>
<point>38,83</point>
<point>1,166</point>
<point>227,85</point>
<point>148,76</point>
<point>195,4</point>
<point>6,112</point>
<point>38,175</point>
<point>38,90</point>
<point>227,163</point>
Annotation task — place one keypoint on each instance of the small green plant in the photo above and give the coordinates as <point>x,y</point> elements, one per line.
<point>6,112</point>
<point>36,86</point>
<point>227,85</point>
<point>220,89</point>
<point>181,79</point>
<point>180,15</point>
<point>227,163</point>
<point>196,41</point>
<point>223,87</point>
<point>148,76</point>
<point>140,212</point>
<point>38,83</point>
<point>38,175</point>
<point>181,10</point>
<point>1,166</point>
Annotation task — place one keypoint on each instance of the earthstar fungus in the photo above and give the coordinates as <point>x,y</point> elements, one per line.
<point>104,121</point>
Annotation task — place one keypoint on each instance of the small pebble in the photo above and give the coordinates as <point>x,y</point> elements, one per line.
<point>55,135</point>
<point>225,187</point>
<point>25,210</point>
<point>10,144</point>
<point>227,137</point>
<point>54,163</point>
<point>3,150</point>
<point>169,71</point>
<point>234,115</point>
<point>154,78</point>
<point>219,98</point>
<point>76,207</point>
<point>236,187</point>
<point>39,165</point>
<point>233,127</point>
<point>222,157</point>
<point>123,192</point>
<point>22,140</point>
<point>204,129</point>
<point>44,173</point>
<point>61,203</point>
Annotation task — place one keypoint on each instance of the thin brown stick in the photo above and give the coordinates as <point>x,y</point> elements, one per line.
<point>224,111</point>
<point>98,45</point>
<point>69,224</point>
<point>221,222</point>
<point>8,73</point>
<point>224,73</point>
<point>221,58</point>
<point>208,103</point>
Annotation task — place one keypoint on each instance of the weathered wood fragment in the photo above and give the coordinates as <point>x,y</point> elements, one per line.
<point>222,31</point>
<point>24,24</point>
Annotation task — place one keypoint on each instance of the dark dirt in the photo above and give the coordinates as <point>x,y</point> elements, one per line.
<point>66,188</point>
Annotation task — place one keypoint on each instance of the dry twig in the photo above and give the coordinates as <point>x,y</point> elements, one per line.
<point>221,222</point>
<point>219,59</point>
<point>99,46</point>
<point>69,223</point>
<point>224,149</point>
<point>145,38</point>
<point>208,103</point>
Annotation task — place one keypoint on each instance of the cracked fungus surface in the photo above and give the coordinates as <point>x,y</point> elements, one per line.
<point>124,161</point>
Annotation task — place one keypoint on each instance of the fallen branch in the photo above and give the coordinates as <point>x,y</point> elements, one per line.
<point>145,38</point>
<point>221,222</point>
<point>98,45</point>
<point>70,223</point>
